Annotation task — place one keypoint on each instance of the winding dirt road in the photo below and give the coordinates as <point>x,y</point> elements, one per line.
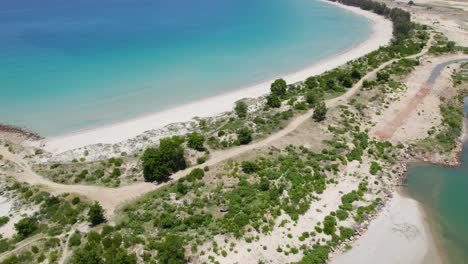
<point>112,198</point>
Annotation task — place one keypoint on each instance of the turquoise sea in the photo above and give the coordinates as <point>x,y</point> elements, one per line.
<point>443,192</point>
<point>71,65</point>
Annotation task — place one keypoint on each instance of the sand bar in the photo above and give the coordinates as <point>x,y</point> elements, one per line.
<point>399,234</point>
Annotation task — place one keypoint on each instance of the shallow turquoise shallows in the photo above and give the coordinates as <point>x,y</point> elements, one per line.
<point>443,192</point>
<point>71,65</point>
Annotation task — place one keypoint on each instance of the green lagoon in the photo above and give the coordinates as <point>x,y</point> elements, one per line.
<point>443,192</point>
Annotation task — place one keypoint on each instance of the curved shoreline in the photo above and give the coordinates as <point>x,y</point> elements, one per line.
<point>400,233</point>
<point>210,106</point>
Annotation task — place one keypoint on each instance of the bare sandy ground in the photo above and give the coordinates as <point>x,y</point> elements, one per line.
<point>446,16</point>
<point>417,110</point>
<point>252,252</point>
<point>399,235</point>
<point>114,133</point>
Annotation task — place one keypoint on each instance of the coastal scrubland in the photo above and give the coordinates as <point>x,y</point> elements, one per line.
<point>288,204</point>
<point>251,120</point>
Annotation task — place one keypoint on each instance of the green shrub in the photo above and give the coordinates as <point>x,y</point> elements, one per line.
<point>26,226</point>
<point>241,109</point>
<point>4,220</point>
<point>375,168</point>
<point>74,240</point>
<point>75,200</point>
<point>329,225</point>
<point>96,214</point>
<point>341,214</point>
<point>273,101</point>
<point>244,136</point>
<point>278,87</point>
<point>159,163</point>
<point>195,174</point>
<point>201,160</point>
<point>171,250</point>
<point>346,233</point>
<point>320,112</point>
<point>249,167</point>
<point>318,255</point>
<point>196,141</point>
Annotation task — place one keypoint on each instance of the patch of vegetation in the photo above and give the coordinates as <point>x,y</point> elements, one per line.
<point>159,163</point>
<point>445,138</point>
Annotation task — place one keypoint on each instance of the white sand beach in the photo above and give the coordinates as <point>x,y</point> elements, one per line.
<point>117,132</point>
<point>400,234</point>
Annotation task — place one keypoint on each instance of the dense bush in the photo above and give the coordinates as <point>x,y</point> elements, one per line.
<point>171,250</point>
<point>74,240</point>
<point>341,214</point>
<point>196,141</point>
<point>241,109</point>
<point>26,226</point>
<point>320,112</point>
<point>103,248</point>
<point>159,163</point>
<point>278,87</point>
<point>96,214</point>
<point>273,101</point>
<point>329,225</point>
<point>4,220</point>
<point>312,98</point>
<point>375,168</point>
<point>195,174</point>
<point>318,255</point>
<point>249,167</point>
<point>311,82</point>
<point>244,136</point>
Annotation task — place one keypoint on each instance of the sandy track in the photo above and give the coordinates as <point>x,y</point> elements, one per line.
<point>111,198</point>
<point>402,115</point>
<point>21,245</point>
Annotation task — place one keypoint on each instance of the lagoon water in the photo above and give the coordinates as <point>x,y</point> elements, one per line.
<point>443,192</point>
<point>72,65</point>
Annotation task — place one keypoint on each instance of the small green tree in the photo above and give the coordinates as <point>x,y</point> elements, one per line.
<point>74,240</point>
<point>329,225</point>
<point>356,74</point>
<point>383,76</point>
<point>273,101</point>
<point>249,167</point>
<point>312,98</point>
<point>26,226</point>
<point>90,253</point>
<point>196,141</point>
<point>241,109</point>
<point>159,163</point>
<point>96,214</point>
<point>278,87</point>
<point>320,112</point>
<point>244,136</point>
<point>311,83</point>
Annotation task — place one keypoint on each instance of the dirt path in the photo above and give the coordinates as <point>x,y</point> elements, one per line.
<point>401,116</point>
<point>21,245</point>
<point>111,198</point>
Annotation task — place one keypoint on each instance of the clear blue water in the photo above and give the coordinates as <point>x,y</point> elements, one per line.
<point>70,65</point>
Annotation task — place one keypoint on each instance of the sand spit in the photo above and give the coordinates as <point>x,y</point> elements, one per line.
<point>399,234</point>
